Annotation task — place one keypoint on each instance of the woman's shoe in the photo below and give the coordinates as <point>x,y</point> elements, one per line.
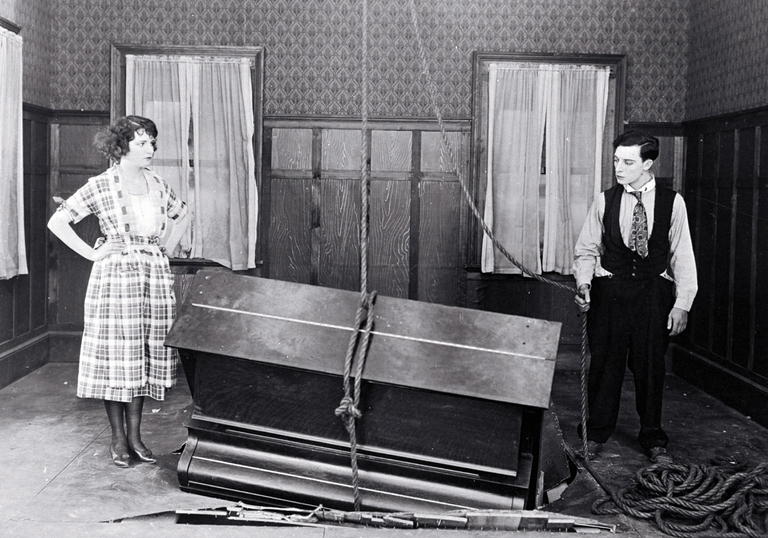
<point>145,455</point>
<point>119,459</point>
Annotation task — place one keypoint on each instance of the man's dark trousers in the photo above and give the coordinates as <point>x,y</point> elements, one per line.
<point>627,320</point>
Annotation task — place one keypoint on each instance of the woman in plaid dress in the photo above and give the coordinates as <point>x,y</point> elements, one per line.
<point>129,304</point>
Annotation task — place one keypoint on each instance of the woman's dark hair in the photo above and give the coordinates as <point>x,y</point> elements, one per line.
<point>113,141</point>
<point>649,145</point>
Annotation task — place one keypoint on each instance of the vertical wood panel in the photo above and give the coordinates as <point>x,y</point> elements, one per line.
<point>289,241</point>
<point>435,157</point>
<point>341,149</point>
<point>6,309</point>
<point>390,151</point>
<point>722,244</point>
<point>340,231</point>
<point>439,263</point>
<point>761,280</point>
<point>707,229</point>
<point>291,149</point>
<point>741,315</point>
<point>389,237</point>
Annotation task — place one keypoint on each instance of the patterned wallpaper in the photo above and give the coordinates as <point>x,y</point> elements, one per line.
<point>35,19</point>
<point>313,47</point>
<point>728,57</point>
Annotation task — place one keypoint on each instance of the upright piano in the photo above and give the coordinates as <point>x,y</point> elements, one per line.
<point>453,402</point>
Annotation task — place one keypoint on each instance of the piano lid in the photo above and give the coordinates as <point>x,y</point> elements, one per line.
<point>415,344</point>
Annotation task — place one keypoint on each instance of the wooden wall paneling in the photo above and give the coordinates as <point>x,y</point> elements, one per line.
<point>760,365</point>
<point>389,234</point>
<point>6,309</point>
<point>440,267</point>
<point>339,263</point>
<point>289,229</point>
<point>339,248</point>
<point>37,238</point>
<point>706,232</point>
<point>390,212</point>
<point>414,234</point>
<point>265,203</point>
<point>289,239</point>
<point>693,186</point>
<point>315,217</point>
<point>441,261</point>
<point>741,313</point>
<point>722,244</point>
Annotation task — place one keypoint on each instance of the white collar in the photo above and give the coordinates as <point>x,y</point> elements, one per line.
<point>648,186</point>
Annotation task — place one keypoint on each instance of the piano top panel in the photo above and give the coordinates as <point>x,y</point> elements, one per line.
<point>434,347</point>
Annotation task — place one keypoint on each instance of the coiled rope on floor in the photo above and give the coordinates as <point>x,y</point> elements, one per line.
<point>696,500</point>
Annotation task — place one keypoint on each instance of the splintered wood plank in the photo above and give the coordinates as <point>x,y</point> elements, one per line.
<point>291,149</point>
<point>390,151</point>
<point>339,234</point>
<point>389,236</point>
<point>439,261</point>
<point>289,241</point>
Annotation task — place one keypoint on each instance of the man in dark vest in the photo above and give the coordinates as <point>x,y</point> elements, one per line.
<point>636,275</point>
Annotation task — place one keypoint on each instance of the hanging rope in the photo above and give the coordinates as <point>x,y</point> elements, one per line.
<point>448,147</point>
<point>357,348</point>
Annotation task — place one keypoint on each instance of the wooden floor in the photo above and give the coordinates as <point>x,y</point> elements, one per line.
<point>57,479</point>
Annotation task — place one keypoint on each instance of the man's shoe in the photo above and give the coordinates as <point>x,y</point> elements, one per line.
<point>658,454</point>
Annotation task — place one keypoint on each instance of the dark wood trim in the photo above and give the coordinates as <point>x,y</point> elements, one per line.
<point>265,200</point>
<point>384,124</point>
<point>80,116</point>
<point>10,26</point>
<point>415,217</point>
<point>756,169</point>
<point>733,120</point>
<point>732,241</point>
<point>712,318</point>
<point>32,110</point>
<point>658,128</point>
<point>315,245</point>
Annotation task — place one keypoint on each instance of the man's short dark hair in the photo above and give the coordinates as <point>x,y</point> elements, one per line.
<point>649,145</point>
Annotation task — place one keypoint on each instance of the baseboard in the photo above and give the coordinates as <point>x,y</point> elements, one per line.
<point>64,346</point>
<point>744,395</point>
<point>22,359</point>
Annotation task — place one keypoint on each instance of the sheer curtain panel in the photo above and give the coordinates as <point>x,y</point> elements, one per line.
<point>516,115</point>
<point>13,257</point>
<point>576,108</point>
<point>214,96</point>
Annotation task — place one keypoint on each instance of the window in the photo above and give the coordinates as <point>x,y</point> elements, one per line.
<point>542,129</point>
<point>206,103</point>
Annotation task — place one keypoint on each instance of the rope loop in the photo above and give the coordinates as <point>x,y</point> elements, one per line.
<point>347,410</point>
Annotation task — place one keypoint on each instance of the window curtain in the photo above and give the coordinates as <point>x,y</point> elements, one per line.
<point>161,90</point>
<point>215,97</point>
<point>578,98</point>
<point>13,256</point>
<point>516,114</point>
<point>568,103</point>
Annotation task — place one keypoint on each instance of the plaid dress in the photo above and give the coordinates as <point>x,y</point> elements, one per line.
<point>130,303</point>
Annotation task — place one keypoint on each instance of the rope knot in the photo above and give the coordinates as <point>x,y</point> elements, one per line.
<point>347,409</point>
